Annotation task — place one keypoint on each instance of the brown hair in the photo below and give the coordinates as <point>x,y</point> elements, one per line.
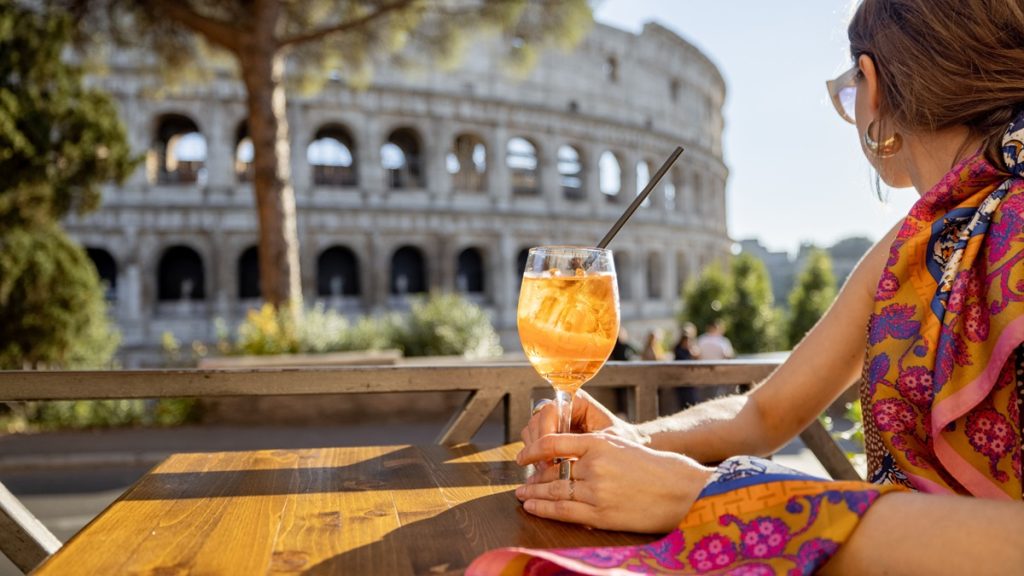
<point>946,63</point>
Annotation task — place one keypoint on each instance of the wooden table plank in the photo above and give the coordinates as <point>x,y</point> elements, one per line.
<point>366,510</point>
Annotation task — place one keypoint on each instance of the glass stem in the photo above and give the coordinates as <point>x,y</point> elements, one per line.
<point>563,401</point>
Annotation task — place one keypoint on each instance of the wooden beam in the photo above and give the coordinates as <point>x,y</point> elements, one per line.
<point>470,416</point>
<point>25,541</point>
<point>825,449</point>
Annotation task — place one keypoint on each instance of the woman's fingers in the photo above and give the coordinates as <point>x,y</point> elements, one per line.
<point>564,510</point>
<point>573,490</point>
<point>558,445</point>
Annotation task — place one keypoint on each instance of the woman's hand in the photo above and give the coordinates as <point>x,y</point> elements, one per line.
<point>588,415</point>
<point>617,484</point>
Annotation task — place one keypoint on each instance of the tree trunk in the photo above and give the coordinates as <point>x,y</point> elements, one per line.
<point>262,68</point>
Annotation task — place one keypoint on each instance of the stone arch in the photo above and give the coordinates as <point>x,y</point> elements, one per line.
<point>523,160</point>
<point>402,158</point>
<point>249,274</point>
<point>106,269</point>
<point>181,275</point>
<point>610,170</point>
<point>408,271</point>
<point>337,272</point>
<point>467,163</point>
<point>332,156</point>
<point>570,172</point>
<point>177,154</point>
<point>471,274</point>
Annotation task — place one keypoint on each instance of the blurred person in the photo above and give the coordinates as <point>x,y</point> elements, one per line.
<point>713,343</point>
<point>653,351</point>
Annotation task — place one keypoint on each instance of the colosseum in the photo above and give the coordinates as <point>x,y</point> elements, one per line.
<point>425,180</point>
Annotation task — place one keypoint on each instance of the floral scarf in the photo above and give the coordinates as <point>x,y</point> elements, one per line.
<point>943,376</point>
<point>941,393</point>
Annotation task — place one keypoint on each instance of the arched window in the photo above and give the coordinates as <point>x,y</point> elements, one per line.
<point>402,158</point>
<point>654,276</point>
<point>469,277</point>
<point>611,69</point>
<point>570,172</point>
<point>249,274</point>
<point>611,175</point>
<point>244,153</point>
<point>467,163</point>
<point>180,275</point>
<point>337,272</point>
<point>671,192</point>
<point>106,269</point>
<point>332,156</point>
<point>178,154</point>
<point>643,176</point>
<point>623,273</point>
<point>408,271</point>
<point>521,262</point>
<point>522,161</point>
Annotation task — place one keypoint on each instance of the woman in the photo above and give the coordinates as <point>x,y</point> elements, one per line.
<point>686,347</point>
<point>936,92</point>
<point>653,351</point>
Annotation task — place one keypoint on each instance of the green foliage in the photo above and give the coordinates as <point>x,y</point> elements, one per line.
<point>448,324</point>
<point>811,297</point>
<point>708,298</point>
<point>52,311</point>
<point>752,317</point>
<point>58,140</point>
<point>438,325</point>
<point>86,414</point>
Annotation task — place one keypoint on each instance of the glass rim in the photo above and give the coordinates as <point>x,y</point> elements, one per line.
<point>571,248</point>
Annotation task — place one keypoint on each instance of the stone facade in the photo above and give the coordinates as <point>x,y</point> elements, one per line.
<point>425,180</point>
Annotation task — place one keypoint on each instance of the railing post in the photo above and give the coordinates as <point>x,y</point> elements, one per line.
<point>24,539</point>
<point>642,401</point>
<point>468,419</point>
<point>518,406</point>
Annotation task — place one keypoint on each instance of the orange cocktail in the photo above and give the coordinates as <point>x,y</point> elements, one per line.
<point>568,324</point>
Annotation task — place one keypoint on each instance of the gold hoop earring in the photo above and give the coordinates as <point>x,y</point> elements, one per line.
<point>886,149</point>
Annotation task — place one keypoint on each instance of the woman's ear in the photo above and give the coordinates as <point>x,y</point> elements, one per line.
<point>869,87</point>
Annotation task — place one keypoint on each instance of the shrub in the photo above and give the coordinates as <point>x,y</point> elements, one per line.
<point>52,310</point>
<point>448,324</point>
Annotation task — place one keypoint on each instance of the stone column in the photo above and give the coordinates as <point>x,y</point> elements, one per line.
<point>591,156</point>
<point>505,281</point>
<point>437,145</point>
<point>301,136</point>
<point>499,186</point>
<point>376,282</point>
<point>371,173</point>
<point>220,149</point>
<point>547,168</point>
<point>627,162</point>
<point>442,271</point>
<point>140,126</point>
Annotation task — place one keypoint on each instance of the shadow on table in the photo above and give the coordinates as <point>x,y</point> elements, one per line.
<point>283,472</point>
<point>448,542</point>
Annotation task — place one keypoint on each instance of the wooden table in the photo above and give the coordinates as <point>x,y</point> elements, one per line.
<point>365,510</point>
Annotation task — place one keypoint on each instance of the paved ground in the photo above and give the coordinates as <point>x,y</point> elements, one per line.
<point>67,478</point>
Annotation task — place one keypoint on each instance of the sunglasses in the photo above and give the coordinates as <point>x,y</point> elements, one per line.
<point>843,91</point>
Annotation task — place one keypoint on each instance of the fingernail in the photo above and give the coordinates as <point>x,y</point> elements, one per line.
<point>530,505</point>
<point>531,479</point>
<point>520,492</point>
<point>519,458</point>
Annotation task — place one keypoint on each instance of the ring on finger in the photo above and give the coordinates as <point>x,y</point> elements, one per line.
<point>572,489</point>
<point>539,406</point>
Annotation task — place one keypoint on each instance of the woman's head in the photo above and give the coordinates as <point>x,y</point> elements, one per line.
<point>929,66</point>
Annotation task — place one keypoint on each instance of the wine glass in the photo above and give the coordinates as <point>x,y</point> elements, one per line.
<point>568,320</point>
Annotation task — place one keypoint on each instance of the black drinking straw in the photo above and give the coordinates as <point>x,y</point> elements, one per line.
<point>640,197</point>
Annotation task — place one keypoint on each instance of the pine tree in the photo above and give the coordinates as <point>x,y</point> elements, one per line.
<point>752,315</point>
<point>264,38</point>
<point>811,297</point>
<point>58,142</point>
<point>708,298</point>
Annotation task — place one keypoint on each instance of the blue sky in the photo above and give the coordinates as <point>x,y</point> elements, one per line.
<point>796,169</point>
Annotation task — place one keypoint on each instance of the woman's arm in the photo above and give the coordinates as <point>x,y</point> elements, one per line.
<point>824,364</point>
<point>934,535</point>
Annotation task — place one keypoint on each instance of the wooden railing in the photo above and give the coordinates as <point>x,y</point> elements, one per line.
<point>26,542</point>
